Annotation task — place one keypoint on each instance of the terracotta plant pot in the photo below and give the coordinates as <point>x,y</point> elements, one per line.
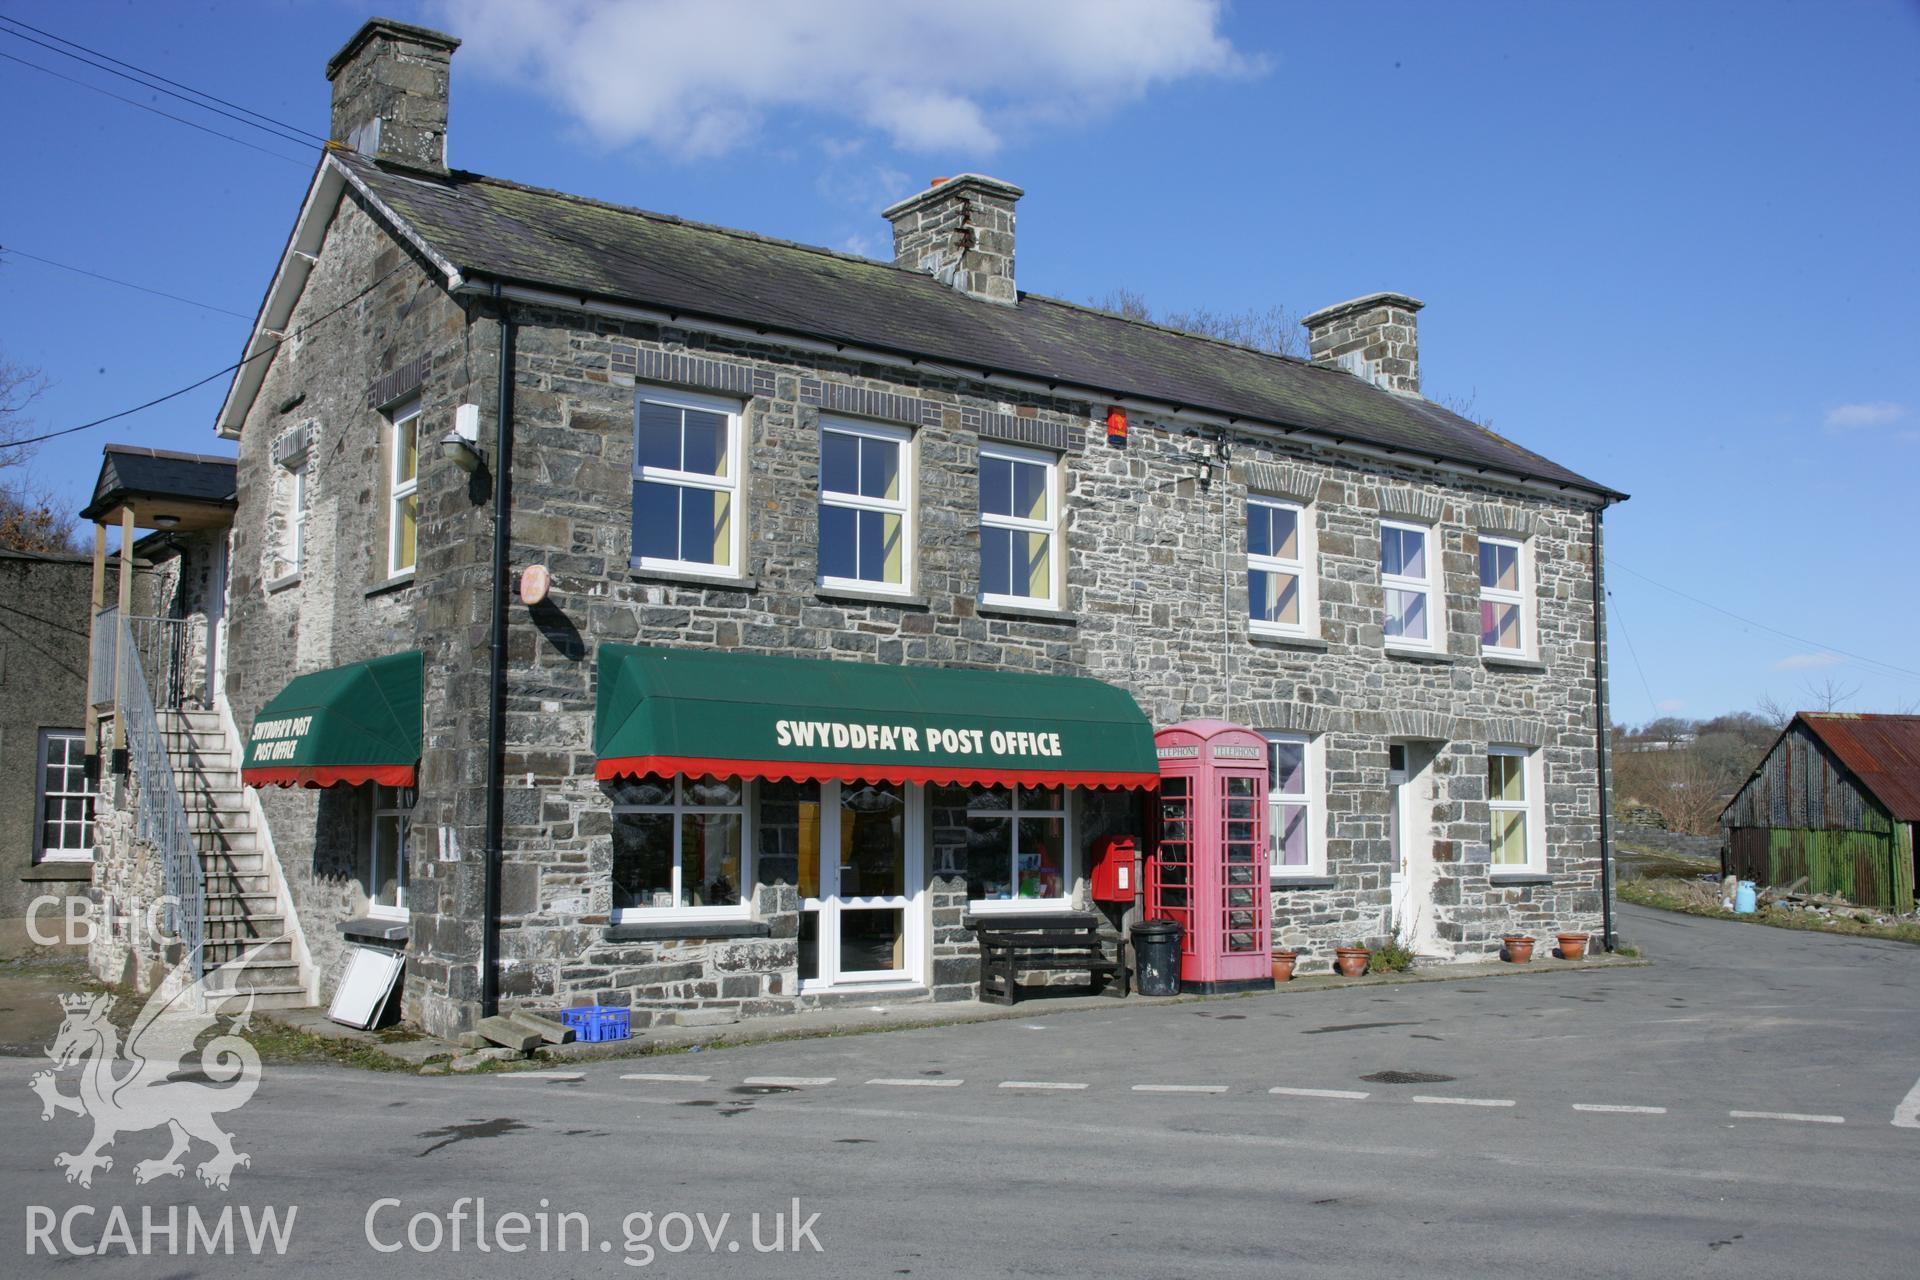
<point>1352,960</point>
<point>1519,948</point>
<point>1573,946</point>
<point>1283,965</point>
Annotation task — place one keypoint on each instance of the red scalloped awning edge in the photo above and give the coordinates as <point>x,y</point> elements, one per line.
<point>878,771</point>
<point>349,775</point>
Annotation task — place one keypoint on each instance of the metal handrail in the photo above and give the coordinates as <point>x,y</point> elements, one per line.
<point>165,646</point>
<point>161,816</point>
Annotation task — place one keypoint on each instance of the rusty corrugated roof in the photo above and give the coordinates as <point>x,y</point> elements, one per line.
<point>1883,752</point>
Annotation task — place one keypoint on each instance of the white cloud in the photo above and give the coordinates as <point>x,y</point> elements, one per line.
<point>1807,661</point>
<point>1871,413</point>
<point>699,77</point>
<point>1671,706</point>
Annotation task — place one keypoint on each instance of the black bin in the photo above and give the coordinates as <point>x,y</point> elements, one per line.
<point>1156,957</point>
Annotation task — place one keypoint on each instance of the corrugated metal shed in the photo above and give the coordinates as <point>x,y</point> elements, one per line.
<point>1883,752</point>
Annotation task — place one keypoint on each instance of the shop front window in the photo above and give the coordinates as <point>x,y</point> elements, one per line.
<point>679,845</point>
<point>1018,846</point>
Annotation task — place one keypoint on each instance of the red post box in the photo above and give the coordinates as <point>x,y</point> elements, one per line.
<point>1113,869</point>
<point>1209,865</point>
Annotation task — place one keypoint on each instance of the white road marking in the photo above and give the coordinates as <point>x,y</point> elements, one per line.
<point>548,1075</point>
<point>1179,1088</point>
<point>788,1082</point>
<point>1463,1102</point>
<point>1787,1115</point>
<point>1617,1108</point>
<point>920,1084</point>
<point>1353,1094</point>
<point>1039,1084</point>
<point>665,1077</point>
<point>1907,1114</point>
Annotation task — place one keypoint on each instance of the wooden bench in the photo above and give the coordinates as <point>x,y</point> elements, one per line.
<point>1012,945</point>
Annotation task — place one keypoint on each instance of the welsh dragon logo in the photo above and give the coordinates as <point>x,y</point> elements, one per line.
<point>145,1095</point>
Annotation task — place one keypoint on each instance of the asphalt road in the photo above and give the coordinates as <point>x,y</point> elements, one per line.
<point>1586,1124</point>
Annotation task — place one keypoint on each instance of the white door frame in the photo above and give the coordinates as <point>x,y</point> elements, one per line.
<point>829,903</point>
<point>1414,872</point>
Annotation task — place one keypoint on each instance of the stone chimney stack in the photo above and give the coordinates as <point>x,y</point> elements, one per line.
<point>1375,337</point>
<point>390,94</point>
<point>960,231</point>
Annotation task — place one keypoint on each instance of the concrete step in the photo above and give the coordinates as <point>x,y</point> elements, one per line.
<point>229,922</point>
<point>199,755</point>
<point>224,820</point>
<point>222,883</point>
<point>253,976</point>
<point>216,802</point>
<point>228,1003</point>
<point>182,744</point>
<point>214,843</point>
<point>223,950</point>
<point>218,781</point>
<point>199,718</point>
<point>235,862</point>
<point>272,987</point>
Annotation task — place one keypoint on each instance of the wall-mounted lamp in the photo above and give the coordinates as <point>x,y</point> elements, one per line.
<point>461,446</point>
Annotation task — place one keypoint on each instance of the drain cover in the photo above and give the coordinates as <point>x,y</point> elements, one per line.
<point>1406,1077</point>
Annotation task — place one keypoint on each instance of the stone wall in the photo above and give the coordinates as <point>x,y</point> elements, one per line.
<point>43,685</point>
<point>328,387</point>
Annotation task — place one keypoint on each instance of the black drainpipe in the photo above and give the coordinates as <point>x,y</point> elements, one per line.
<point>497,674</point>
<point>1605,741</point>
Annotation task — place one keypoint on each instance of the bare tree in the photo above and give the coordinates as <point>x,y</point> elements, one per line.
<point>1830,694</point>
<point>1272,329</point>
<point>19,388</point>
<point>31,518</point>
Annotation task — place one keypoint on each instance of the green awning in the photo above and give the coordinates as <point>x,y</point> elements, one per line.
<point>697,712</point>
<point>351,724</point>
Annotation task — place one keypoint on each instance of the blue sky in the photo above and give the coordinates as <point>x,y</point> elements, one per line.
<point>1670,246</point>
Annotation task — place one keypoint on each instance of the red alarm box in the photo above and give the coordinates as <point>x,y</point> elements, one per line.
<point>1114,870</point>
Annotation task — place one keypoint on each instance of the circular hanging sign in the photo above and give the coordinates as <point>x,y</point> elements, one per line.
<point>535,582</point>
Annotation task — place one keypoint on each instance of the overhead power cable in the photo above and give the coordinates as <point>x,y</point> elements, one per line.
<point>218,373</point>
<point>124,284</point>
<point>1771,630</point>
<point>164,80</point>
<point>145,79</point>
<point>145,106</point>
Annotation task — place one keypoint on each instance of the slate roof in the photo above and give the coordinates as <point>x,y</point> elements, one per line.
<point>488,228</point>
<point>130,471</point>
<point>1883,752</point>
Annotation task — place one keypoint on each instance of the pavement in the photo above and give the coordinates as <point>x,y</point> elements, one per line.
<point>1747,1105</point>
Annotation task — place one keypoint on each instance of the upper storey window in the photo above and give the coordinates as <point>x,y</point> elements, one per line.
<point>686,482</point>
<point>1019,526</point>
<point>866,506</point>
<point>1406,579</point>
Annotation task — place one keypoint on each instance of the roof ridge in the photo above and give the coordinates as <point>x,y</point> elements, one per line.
<point>737,233</point>
<point>844,256</point>
<point>148,451</point>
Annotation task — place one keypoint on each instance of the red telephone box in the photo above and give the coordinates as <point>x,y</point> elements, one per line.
<point>1209,864</point>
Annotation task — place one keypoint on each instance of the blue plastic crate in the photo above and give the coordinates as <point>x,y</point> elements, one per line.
<point>598,1022</point>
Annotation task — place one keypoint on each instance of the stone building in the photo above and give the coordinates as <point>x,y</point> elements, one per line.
<point>46,798</point>
<point>597,574</point>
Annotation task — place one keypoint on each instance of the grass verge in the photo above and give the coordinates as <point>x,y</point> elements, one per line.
<point>1680,895</point>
